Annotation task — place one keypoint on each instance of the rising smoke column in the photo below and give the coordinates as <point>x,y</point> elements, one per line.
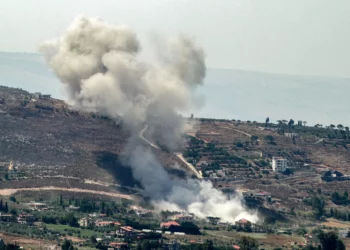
<point>99,65</point>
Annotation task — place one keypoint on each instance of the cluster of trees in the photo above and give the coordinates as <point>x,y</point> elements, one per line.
<point>68,245</point>
<point>87,206</point>
<point>345,216</point>
<point>67,219</point>
<point>207,245</point>
<point>270,140</point>
<point>318,205</point>
<point>340,199</point>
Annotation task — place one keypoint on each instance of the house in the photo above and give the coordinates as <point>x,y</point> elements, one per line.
<point>279,164</point>
<point>213,220</point>
<point>168,224</point>
<point>119,245</point>
<point>344,233</point>
<point>244,224</point>
<point>6,217</point>
<point>73,208</point>
<point>257,195</point>
<point>291,135</point>
<point>84,222</point>
<point>25,219</point>
<point>236,247</point>
<point>183,217</point>
<point>99,223</point>
<point>126,231</point>
<point>37,205</point>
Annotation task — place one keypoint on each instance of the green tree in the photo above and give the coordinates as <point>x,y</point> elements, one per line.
<point>208,245</point>
<point>347,132</point>
<point>71,220</point>
<point>67,245</point>
<point>254,138</point>
<point>61,200</point>
<point>93,239</point>
<point>248,243</point>
<point>330,241</point>
<point>267,121</point>
<point>291,122</point>
<point>318,205</point>
<point>340,127</point>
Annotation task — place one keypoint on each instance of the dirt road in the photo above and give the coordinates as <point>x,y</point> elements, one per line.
<point>143,138</point>
<point>191,167</point>
<point>179,155</point>
<point>11,191</point>
<point>239,131</point>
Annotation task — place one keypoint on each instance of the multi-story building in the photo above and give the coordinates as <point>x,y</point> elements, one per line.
<point>279,164</point>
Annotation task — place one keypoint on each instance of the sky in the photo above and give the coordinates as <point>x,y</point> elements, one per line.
<point>300,37</point>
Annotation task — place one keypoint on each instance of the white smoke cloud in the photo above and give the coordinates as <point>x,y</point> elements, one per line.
<point>100,67</point>
<point>194,196</point>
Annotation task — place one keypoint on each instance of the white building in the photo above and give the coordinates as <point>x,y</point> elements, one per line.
<point>279,164</point>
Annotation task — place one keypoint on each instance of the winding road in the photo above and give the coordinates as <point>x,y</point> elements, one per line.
<point>11,191</point>
<point>178,155</point>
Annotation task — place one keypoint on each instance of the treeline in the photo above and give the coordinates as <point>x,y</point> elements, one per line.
<point>345,216</point>
<point>4,207</point>
<point>88,206</point>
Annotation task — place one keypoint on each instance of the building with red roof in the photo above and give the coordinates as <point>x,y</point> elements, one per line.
<point>169,224</point>
<point>244,223</point>
<point>126,231</point>
<point>119,245</point>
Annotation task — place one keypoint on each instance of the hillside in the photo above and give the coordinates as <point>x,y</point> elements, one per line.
<point>52,145</point>
<point>238,155</point>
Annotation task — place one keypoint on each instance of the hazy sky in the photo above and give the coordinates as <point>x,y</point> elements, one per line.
<point>278,36</point>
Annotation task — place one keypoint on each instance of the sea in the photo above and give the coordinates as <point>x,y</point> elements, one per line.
<point>225,93</point>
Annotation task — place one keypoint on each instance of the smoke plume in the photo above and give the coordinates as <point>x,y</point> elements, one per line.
<point>100,67</point>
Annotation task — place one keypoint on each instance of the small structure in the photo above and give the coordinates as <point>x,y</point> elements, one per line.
<point>84,222</point>
<point>343,233</point>
<point>183,217</point>
<point>236,247</point>
<point>179,233</point>
<point>279,164</point>
<point>73,208</point>
<point>25,219</point>
<point>291,135</point>
<point>38,95</point>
